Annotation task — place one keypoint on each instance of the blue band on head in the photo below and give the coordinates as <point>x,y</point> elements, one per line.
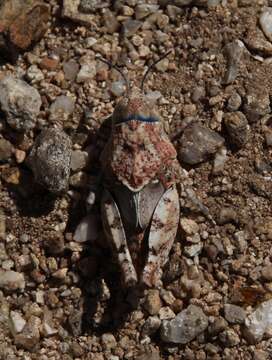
<point>142,118</point>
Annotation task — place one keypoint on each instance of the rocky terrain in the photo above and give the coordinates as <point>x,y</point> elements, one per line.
<point>60,290</point>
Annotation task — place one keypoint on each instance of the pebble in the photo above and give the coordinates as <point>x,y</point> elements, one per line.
<point>130,27</point>
<point>110,21</point>
<point>220,160</point>
<point>229,338</point>
<point>256,105</point>
<point>49,64</point>
<point>117,88</point>
<point>256,41</point>
<point>259,322</point>
<point>166,313</point>
<point>11,280</point>
<point>143,10</point>
<point>227,215</point>
<point>267,272</point>
<point>75,322</point>
<point>55,244</point>
<point>198,143</point>
<point>237,128</point>
<point>234,102</point>
<point>193,250</point>
<point>62,108</point>
<point>234,314</point>
<point>50,159</point>
<point>266,22</point>
<point>234,52</point>
<point>20,102</point>
<point>217,326</point>
<point>34,74</point>
<point>79,160</point>
<point>87,229</point>
<point>189,226</point>
<point>87,72</point>
<point>152,302</point>
<point>17,322</point>
<point>108,342</point>
<point>185,326</point>
<point>30,335</point>
<point>70,69</point>
<point>151,325</point>
<point>6,150</point>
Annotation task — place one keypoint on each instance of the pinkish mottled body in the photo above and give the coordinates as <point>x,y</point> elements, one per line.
<point>140,203</point>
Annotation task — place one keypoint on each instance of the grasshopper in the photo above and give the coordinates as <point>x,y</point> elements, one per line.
<point>140,203</point>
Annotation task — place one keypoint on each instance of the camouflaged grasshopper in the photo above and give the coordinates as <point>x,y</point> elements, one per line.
<point>140,202</point>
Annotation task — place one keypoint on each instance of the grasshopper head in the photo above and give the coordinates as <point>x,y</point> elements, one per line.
<point>135,106</point>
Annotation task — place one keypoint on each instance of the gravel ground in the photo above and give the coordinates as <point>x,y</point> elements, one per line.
<point>60,295</point>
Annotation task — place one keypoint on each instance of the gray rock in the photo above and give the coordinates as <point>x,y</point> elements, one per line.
<point>6,150</point>
<point>267,272</point>
<point>11,280</point>
<point>185,327</point>
<point>259,322</point>
<point>89,6</point>
<point>130,27</point>
<point>50,159</point>
<point>86,72</point>
<point>30,335</point>
<point>256,41</point>
<point>61,108</point>
<point>237,127</point>
<point>151,325</point>
<point>217,326</point>
<point>17,322</point>
<point>198,143</point>
<point>143,10</point>
<point>75,322</point>
<point>234,52</point>
<point>70,69</point>
<point>234,314</point>
<point>117,88</point>
<point>266,22</point>
<point>20,102</point>
<point>234,102</point>
<point>229,338</point>
<point>256,105</point>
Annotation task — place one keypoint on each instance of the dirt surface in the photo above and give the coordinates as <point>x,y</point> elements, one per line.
<point>72,296</point>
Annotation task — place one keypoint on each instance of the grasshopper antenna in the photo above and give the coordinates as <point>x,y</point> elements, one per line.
<point>152,66</point>
<point>117,69</point>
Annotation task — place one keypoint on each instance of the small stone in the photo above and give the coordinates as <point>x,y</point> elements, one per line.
<point>267,272</point>
<point>20,156</point>
<point>17,322</point>
<point>237,127</point>
<point>70,69</point>
<point>117,88</point>
<point>185,326</point>
<point>89,6</point>
<point>153,302</point>
<point>79,160</point>
<point>2,225</point>
<point>34,74</point>
<point>87,230</point>
<point>227,215</point>
<point>189,226</point>
<point>234,102</point>
<point>49,64</point>
<point>30,335</point>
<point>90,41</point>
<point>79,180</point>
<point>234,314</point>
<point>260,355</point>
<point>111,23</point>
<point>219,325</point>
<point>256,42</point>
<point>50,159</point>
<point>162,66</point>
<point>256,105</point>
<point>143,10</point>
<point>220,160</point>
<point>258,323</point>
<point>193,250</point>
<point>62,108</point>
<point>151,325</point>
<point>55,244</point>
<point>266,22</point>
<point>130,27</point>
<point>6,150</point>
<point>87,72</point>
<point>166,313</point>
<point>11,280</point>
<point>234,52</point>
<point>198,143</point>
<point>75,322</point>
<point>108,341</point>
<point>198,94</point>
<point>229,338</point>
<point>20,102</point>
